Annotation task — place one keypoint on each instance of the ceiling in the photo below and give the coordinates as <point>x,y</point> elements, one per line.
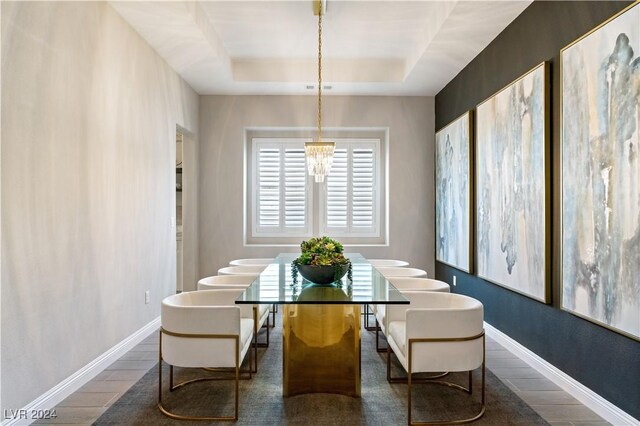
<point>368,47</point>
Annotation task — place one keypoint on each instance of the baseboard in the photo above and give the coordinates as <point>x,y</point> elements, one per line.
<point>586,396</point>
<point>71,384</point>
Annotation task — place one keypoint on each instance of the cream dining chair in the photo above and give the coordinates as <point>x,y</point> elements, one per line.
<point>242,270</point>
<point>395,271</point>
<point>437,332</point>
<point>404,284</point>
<point>376,263</point>
<point>220,282</point>
<point>254,270</point>
<point>390,271</point>
<point>387,263</point>
<point>239,280</point>
<point>204,329</point>
<point>255,261</point>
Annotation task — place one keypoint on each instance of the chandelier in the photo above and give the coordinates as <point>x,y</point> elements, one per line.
<point>319,153</point>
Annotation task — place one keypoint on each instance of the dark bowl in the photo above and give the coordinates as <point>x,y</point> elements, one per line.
<point>323,274</point>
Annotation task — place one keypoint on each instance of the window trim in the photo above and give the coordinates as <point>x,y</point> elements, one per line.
<point>308,133</point>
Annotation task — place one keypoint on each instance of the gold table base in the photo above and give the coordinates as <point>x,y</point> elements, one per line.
<point>321,349</point>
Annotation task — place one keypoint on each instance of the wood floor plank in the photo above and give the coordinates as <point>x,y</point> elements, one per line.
<point>103,375</point>
<point>133,375</point>
<point>119,386</point>
<point>571,413</point>
<point>501,354</point>
<point>506,363</point>
<point>516,373</point>
<point>144,347</point>
<point>534,384</point>
<point>132,365</point>
<point>89,399</point>
<point>140,356</point>
<point>552,397</point>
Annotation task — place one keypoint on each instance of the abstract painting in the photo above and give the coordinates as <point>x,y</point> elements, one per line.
<point>453,193</point>
<point>511,196</point>
<point>601,174</point>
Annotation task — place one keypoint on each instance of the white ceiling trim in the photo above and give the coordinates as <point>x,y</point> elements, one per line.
<point>306,70</point>
<point>269,47</point>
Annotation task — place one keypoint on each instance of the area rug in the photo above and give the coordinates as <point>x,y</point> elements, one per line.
<point>261,400</point>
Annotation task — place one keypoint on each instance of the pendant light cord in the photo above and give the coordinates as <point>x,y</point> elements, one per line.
<point>320,74</point>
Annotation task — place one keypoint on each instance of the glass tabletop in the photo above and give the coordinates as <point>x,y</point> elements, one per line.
<point>275,285</point>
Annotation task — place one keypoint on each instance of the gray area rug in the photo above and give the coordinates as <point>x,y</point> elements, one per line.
<point>261,400</point>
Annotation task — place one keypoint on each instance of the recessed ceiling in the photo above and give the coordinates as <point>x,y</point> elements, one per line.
<point>368,47</point>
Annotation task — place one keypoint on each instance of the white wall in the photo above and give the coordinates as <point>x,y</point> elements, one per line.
<point>411,168</point>
<point>89,114</point>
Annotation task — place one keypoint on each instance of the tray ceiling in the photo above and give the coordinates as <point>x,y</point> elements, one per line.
<point>270,47</point>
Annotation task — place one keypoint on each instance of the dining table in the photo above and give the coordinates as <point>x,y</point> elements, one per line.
<point>321,324</point>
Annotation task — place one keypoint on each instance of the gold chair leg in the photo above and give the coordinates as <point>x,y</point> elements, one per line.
<point>405,379</point>
<point>274,309</point>
<point>171,387</point>
<point>267,332</point>
<point>378,348</point>
<point>389,364</point>
<point>236,399</point>
<point>265,344</point>
<point>255,350</point>
<point>453,385</point>
<point>367,314</point>
<point>254,368</point>
<point>255,332</point>
<point>169,414</point>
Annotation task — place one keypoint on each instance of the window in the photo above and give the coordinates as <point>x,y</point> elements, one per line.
<point>284,205</point>
<point>280,189</point>
<point>350,202</point>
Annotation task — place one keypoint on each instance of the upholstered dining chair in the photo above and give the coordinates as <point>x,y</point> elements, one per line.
<point>437,332</point>
<point>404,284</point>
<point>390,271</point>
<point>256,261</point>
<point>242,270</point>
<point>254,270</point>
<point>376,263</point>
<point>396,271</point>
<point>214,280</point>
<point>204,329</point>
<point>388,263</point>
<point>419,284</point>
<point>230,282</point>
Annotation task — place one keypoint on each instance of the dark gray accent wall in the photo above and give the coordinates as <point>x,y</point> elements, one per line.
<point>601,359</point>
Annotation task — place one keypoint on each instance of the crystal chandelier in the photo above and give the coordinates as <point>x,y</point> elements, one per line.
<point>319,153</point>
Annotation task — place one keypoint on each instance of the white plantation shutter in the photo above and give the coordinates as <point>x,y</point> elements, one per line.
<point>363,186</point>
<point>337,191</point>
<point>269,187</point>
<point>295,200</point>
<point>280,188</point>
<point>280,200</point>
<point>351,197</point>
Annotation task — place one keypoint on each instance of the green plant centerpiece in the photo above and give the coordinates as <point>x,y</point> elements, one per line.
<point>322,261</point>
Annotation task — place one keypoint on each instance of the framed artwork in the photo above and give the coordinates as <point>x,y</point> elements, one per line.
<point>454,184</point>
<point>600,113</point>
<point>512,175</point>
